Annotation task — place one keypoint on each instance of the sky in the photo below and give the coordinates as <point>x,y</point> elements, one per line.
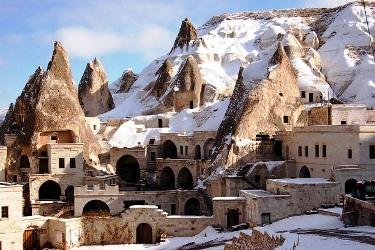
<point>121,33</point>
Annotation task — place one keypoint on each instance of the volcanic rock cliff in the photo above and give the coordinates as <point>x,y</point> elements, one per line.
<point>93,92</point>
<point>48,103</point>
<point>186,34</point>
<point>126,81</point>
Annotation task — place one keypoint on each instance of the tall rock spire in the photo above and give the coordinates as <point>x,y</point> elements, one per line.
<point>186,34</point>
<point>93,92</point>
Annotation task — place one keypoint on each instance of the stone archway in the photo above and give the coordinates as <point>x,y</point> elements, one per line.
<point>185,179</point>
<point>350,186</point>
<point>69,193</point>
<point>192,207</point>
<point>144,234</point>
<point>304,172</point>
<point>233,217</point>
<point>49,190</point>
<point>167,178</point>
<point>96,207</point>
<point>127,168</point>
<point>169,149</point>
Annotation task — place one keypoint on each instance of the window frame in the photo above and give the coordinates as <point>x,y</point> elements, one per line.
<point>5,212</point>
<point>72,160</point>
<point>61,163</point>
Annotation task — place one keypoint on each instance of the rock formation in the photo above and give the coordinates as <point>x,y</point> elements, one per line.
<point>186,34</point>
<point>94,95</point>
<point>48,103</point>
<point>258,108</point>
<point>188,85</point>
<point>164,75</point>
<point>126,81</point>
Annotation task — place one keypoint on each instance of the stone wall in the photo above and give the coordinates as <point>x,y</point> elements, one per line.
<point>320,116</point>
<point>357,212</point>
<point>3,157</point>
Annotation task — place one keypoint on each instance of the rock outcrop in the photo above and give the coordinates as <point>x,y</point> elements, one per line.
<point>188,85</point>
<point>258,108</point>
<point>164,75</point>
<point>93,92</point>
<point>186,34</point>
<point>48,103</point>
<point>126,81</point>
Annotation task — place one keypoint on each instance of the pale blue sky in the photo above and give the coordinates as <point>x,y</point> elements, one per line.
<point>122,34</point>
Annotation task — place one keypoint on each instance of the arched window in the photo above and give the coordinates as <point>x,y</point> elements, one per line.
<point>69,193</point>
<point>96,207</point>
<point>169,149</point>
<point>49,190</point>
<point>192,207</point>
<point>127,168</point>
<point>167,178</point>
<point>185,179</point>
<point>304,172</point>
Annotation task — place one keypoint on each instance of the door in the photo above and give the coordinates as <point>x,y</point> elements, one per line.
<point>311,97</point>
<point>31,239</point>
<point>233,218</point>
<point>43,165</point>
<point>266,219</point>
<point>144,234</point>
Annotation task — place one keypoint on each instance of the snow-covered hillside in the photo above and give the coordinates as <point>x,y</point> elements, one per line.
<point>328,48</point>
<point>3,112</point>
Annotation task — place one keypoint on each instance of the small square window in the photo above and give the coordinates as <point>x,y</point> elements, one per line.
<point>61,163</point>
<point>5,212</point>
<point>316,150</point>
<point>303,94</point>
<point>181,150</point>
<point>186,150</point>
<point>299,150</point>
<point>343,122</point>
<point>324,150</point>
<point>350,153</point>
<point>306,151</point>
<point>151,141</point>
<point>94,126</point>
<point>72,162</point>
<point>286,119</point>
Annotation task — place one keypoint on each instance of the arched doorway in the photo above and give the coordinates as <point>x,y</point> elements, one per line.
<point>49,190</point>
<point>208,147</point>
<point>192,207</point>
<point>127,168</point>
<point>350,186</point>
<point>185,179</point>
<point>31,239</point>
<point>69,193</point>
<point>24,162</point>
<point>197,155</point>
<point>144,234</point>
<point>304,172</point>
<point>233,217</point>
<point>96,207</point>
<point>169,149</point>
<point>167,178</point>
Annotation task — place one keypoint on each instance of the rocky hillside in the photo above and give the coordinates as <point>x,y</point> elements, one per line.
<point>253,67</point>
<point>49,102</point>
<point>93,92</point>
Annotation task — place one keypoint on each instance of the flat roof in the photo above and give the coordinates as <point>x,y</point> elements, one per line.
<point>302,181</point>
<point>229,198</point>
<point>263,193</point>
<point>355,128</point>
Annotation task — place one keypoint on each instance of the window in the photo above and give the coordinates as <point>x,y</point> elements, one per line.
<point>152,156</point>
<point>303,94</point>
<point>160,123</point>
<point>94,127</point>
<point>372,151</point>
<point>186,150</point>
<point>324,150</point>
<point>181,150</point>
<point>299,150</point>
<point>54,136</point>
<point>257,178</point>
<point>72,163</point>
<point>5,212</point>
<point>173,209</point>
<point>191,104</point>
<point>286,119</point>
<point>311,97</point>
<point>61,163</point>
<point>306,151</point>
<point>343,122</point>
<point>317,150</point>
<point>350,153</point>
<point>151,141</point>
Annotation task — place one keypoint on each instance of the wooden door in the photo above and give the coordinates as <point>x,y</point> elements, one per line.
<point>31,239</point>
<point>144,234</point>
